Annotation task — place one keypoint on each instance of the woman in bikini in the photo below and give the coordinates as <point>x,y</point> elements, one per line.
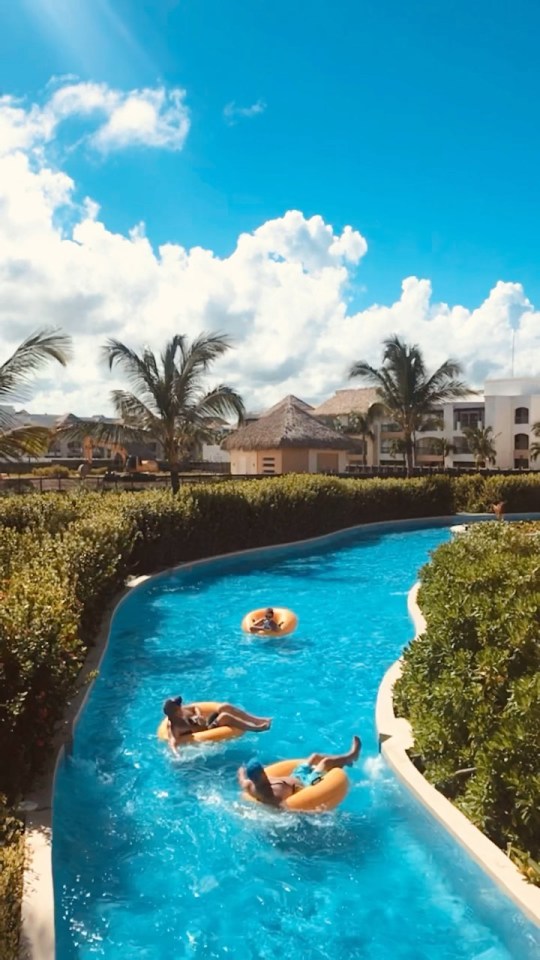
<point>276,790</point>
<point>187,719</point>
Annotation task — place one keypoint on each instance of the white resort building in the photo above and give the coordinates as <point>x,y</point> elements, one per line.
<point>295,437</point>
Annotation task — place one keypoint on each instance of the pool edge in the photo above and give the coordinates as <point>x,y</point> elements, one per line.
<point>395,738</point>
<point>37,938</point>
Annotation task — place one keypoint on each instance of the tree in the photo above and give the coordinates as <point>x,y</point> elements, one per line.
<point>361,425</point>
<point>534,451</point>
<point>15,377</point>
<point>169,403</point>
<point>409,395</point>
<point>443,447</point>
<point>357,425</point>
<point>481,443</point>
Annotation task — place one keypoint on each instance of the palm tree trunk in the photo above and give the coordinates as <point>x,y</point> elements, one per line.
<point>175,479</point>
<point>409,454</point>
<point>364,449</point>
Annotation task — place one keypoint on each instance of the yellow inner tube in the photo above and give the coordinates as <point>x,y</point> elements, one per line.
<point>287,620</point>
<point>215,735</point>
<point>324,795</point>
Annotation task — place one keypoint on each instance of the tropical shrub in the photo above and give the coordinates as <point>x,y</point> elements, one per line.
<point>62,558</point>
<point>54,471</point>
<point>11,881</point>
<point>471,683</point>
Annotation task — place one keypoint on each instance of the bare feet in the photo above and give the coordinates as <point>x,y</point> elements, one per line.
<point>354,752</point>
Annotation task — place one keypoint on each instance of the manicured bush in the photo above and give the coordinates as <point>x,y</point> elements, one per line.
<point>54,472</point>
<point>11,882</point>
<point>63,557</point>
<point>471,683</point>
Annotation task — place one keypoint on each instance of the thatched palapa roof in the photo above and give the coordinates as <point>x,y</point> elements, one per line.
<point>287,424</point>
<point>356,400</point>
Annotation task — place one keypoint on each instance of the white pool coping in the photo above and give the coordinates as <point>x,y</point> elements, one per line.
<point>37,940</point>
<point>395,738</point>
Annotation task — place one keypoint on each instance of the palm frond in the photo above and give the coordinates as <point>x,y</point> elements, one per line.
<point>134,413</point>
<point>24,441</point>
<point>196,359</point>
<point>222,401</point>
<point>138,371</point>
<point>98,431</point>
<point>32,354</point>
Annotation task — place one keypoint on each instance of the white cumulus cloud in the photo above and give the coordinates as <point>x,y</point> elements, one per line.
<point>283,293</point>
<point>151,117</point>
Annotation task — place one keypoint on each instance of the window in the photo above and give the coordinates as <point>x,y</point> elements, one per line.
<point>460,445</point>
<point>386,446</point>
<point>268,464</point>
<point>521,415</point>
<point>473,417</point>
<point>428,446</point>
<point>521,441</point>
<point>390,427</point>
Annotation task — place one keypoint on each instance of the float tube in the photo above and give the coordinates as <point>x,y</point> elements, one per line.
<point>288,621</point>
<point>215,735</point>
<point>324,795</point>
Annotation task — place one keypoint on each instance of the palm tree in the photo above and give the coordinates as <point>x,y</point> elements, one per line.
<point>361,425</point>
<point>15,376</point>
<point>442,446</point>
<point>409,395</point>
<point>481,443</point>
<point>168,403</point>
<point>534,451</point>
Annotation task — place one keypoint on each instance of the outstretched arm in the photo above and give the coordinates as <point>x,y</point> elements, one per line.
<point>244,781</point>
<point>172,739</point>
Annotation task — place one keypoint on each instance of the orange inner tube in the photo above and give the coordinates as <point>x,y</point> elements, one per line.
<point>215,735</point>
<point>324,795</point>
<point>287,620</point>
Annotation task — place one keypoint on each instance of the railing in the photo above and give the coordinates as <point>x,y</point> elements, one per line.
<point>110,484</point>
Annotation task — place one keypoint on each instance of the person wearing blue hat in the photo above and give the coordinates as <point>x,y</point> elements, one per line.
<point>187,719</point>
<point>276,790</point>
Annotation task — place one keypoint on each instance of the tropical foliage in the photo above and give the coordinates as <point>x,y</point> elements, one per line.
<point>361,425</point>
<point>15,380</point>
<point>168,402</point>
<point>471,683</point>
<point>481,443</point>
<point>534,451</point>
<point>356,424</point>
<point>443,447</point>
<point>409,394</point>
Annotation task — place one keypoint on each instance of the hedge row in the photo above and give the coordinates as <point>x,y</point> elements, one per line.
<point>63,556</point>
<point>471,683</point>
<point>11,874</point>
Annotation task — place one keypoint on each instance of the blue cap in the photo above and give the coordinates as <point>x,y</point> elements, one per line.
<point>254,769</point>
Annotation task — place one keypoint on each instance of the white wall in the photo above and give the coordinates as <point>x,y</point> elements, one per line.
<point>214,454</point>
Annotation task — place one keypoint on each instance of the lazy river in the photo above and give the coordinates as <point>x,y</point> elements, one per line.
<point>157,857</point>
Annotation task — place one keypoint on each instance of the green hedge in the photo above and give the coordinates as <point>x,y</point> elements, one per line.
<point>471,683</point>
<point>11,882</point>
<point>63,556</point>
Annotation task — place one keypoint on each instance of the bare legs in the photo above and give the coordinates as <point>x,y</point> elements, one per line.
<point>323,762</point>
<point>231,716</point>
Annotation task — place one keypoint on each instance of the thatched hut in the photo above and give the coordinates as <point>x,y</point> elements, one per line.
<point>347,401</point>
<point>287,439</point>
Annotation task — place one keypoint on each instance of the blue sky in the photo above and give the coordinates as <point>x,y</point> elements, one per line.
<point>414,123</point>
<point>417,123</point>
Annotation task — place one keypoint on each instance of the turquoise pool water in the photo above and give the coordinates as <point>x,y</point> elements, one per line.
<point>157,857</point>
